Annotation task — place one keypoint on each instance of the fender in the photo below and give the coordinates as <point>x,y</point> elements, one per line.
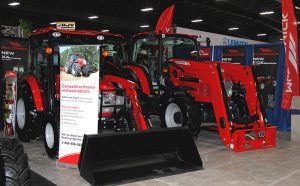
<point>142,76</point>
<point>35,90</point>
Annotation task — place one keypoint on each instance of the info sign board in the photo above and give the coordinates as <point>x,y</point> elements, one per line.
<point>79,86</point>
<point>235,55</point>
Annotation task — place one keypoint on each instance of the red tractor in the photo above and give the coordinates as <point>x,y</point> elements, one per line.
<point>180,88</point>
<point>38,102</point>
<point>77,66</point>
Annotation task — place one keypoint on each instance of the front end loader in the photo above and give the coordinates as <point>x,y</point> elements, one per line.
<point>180,88</point>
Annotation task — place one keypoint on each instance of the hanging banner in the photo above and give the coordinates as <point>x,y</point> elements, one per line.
<point>164,22</point>
<point>14,54</point>
<point>265,60</point>
<point>79,91</point>
<point>235,55</point>
<point>290,39</point>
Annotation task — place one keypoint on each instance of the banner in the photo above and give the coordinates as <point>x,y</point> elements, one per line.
<point>78,99</point>
<point>265,60</point>
<point>14,54</point>
<point>235,55</point>
<point>164,22</point>
<point>290,39</point>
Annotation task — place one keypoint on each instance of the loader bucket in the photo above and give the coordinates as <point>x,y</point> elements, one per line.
<point>137,155</point>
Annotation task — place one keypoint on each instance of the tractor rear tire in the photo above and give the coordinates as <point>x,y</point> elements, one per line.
<point>180,111</point>
<point>76,70</point>
<point>15,161</point>
<point>24,120</point>
<point>51,136</point>
<point>67,67</point>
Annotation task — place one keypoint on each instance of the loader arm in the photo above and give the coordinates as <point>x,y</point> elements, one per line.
<point>207,82</point>
<point>130,88</point>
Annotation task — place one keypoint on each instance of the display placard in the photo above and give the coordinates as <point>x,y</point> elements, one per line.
<point>14,54</point>
<point>204,53</point>
<point>234,55</point>
<point>265,60</point>
<point>79,93</point>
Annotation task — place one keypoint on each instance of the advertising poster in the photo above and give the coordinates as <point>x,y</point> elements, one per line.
<point>79,86</point>
<point>235,55</point>
<point>265,60</point>
<point>14,54</point>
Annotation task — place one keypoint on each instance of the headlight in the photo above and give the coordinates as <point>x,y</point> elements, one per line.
<point>108,96</point>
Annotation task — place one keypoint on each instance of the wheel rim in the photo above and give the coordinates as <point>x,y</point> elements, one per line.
<point>66,68</point>
<point>21,116</point>
<point>173,116</point>
<point>73,71</point>
<point>49,135</point>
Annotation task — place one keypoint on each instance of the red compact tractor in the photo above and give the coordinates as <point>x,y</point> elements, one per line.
<point>77,66</point>
<point>180,88</point>
<point>38,102</point>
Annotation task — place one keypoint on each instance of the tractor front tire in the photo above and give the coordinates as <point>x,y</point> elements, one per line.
<point>51,136</point>
<point>76,70</point>
<point>180,111</point>
<point>86,70</point>
<point>24,120</point>
<point>15,163</point>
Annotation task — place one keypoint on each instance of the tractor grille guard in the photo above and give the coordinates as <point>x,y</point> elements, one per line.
<point>121,106</point>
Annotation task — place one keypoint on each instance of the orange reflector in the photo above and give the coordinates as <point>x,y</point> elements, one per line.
<point>48,50</point>
<point>105,53</point>
<point>165,70</point>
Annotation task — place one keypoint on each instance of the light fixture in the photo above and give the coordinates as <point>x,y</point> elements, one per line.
<point>262,34</point>
<point>196,20</point>
<point>93,17</point>
<point>15,3</point>
<point>297,7</point>
<point>144,26</point>
<point>281,39</point>
<point>52,23</point>
<point>104,30</point>
<point>146,9</point>
<point>298,22</point>
<point>233,28</point>
<point>266,13</point>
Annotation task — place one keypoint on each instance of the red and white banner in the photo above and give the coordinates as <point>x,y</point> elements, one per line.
<point>78,99</point>
<point>290,38</point>
<point>164,22</point>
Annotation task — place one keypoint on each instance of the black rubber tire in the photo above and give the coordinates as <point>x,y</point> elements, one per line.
<point>86,70</point>
<point>2,171</point>
<point>17,171</point>
<point>76,70</point>
<point>67,67</point>
<point>26,133</point>
<point>191,118</point>
<point>52,152</point>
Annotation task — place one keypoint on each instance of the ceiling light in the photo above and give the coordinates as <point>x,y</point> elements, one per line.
<point>105,30</point>
<point>196,20</point>
<point>281,39</point>
<point>144,26</point>
<point>52,23</point>
<point>262,34</point>
<point>146,9</point>
<point>298,22</point>
<point>297,7</point>
<point>266,13</point>
<point>14,3</point>
<point>233,28</point>
<point>93,17</point>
